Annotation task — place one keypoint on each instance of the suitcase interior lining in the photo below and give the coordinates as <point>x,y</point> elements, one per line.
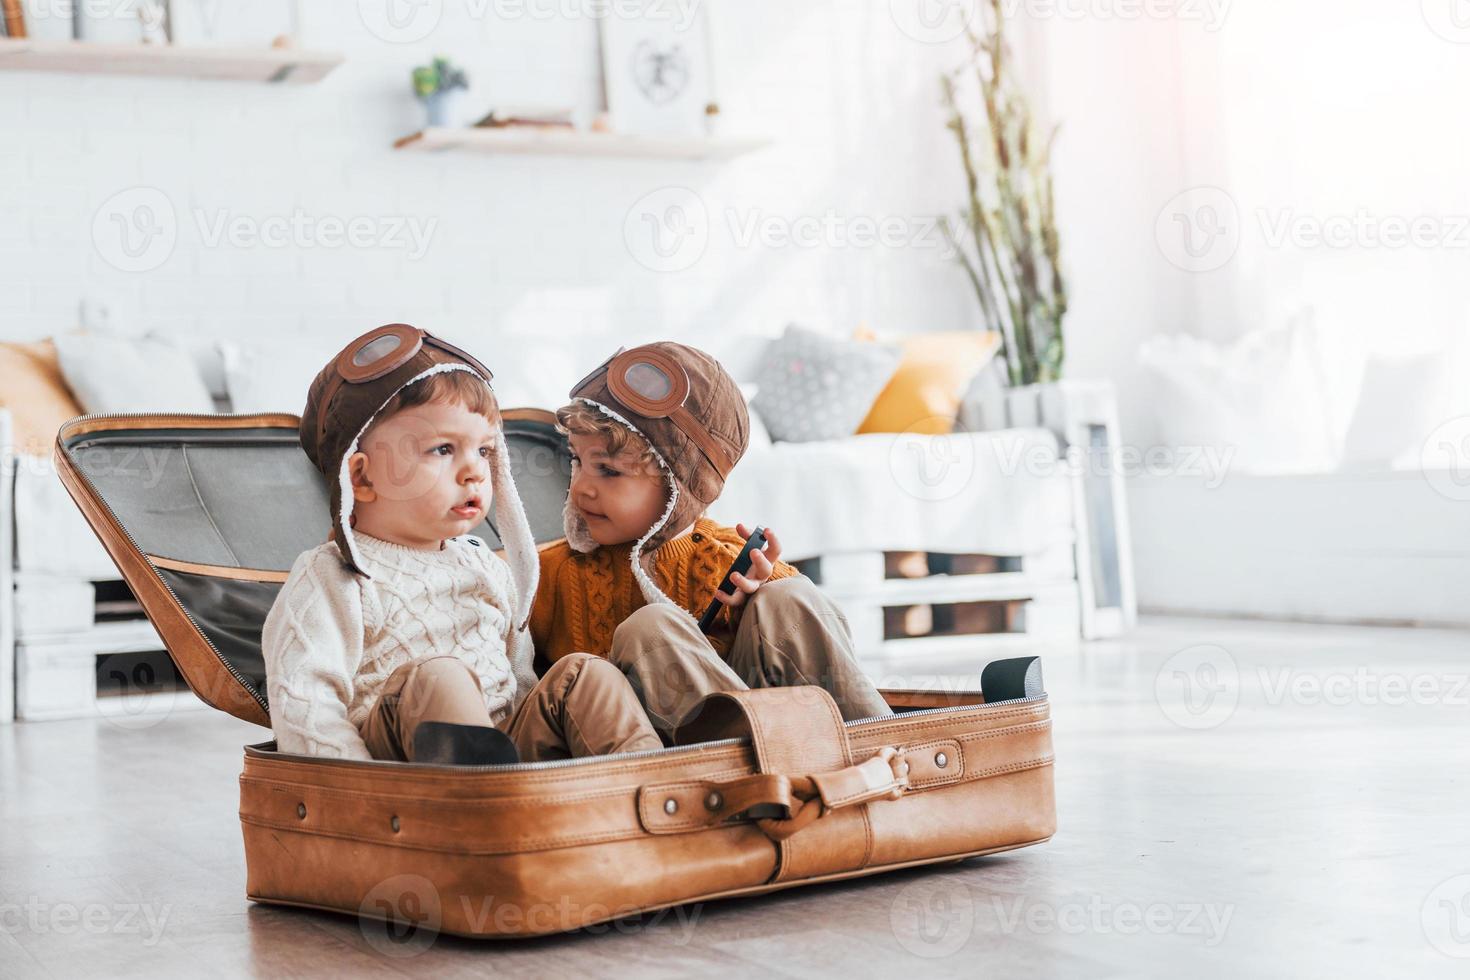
<point>230,614</point>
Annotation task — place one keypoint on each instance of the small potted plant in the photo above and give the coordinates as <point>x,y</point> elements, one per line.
<point>438,85</point>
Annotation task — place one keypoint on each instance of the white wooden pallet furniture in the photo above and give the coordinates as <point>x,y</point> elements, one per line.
<point>927,543</point>
<point>1043,589</point>
<point>1083,415</point>
<point>57,676</point>
<point>73,632</point>
<point>7,564</point>
<point>52,604</point>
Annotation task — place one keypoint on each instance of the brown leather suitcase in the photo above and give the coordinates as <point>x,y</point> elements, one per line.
<point>768,789</point>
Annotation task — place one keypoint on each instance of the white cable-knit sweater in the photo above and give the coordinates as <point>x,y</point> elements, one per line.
<point>332,637</point>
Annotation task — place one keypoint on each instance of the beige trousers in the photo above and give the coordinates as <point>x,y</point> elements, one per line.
<point>790,633</point>
<point>583,706</point>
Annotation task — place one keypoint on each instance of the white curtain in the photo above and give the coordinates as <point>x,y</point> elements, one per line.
<point>1337,134</point>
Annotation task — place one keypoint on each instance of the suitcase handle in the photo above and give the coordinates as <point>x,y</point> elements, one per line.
<point>671,807</point>
<point>883,777</point>
<point>790,729</point>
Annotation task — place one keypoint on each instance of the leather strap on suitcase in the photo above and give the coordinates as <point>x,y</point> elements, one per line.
<point>809,792</point>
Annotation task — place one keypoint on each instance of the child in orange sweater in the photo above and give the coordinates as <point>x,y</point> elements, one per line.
<point>654,432</point>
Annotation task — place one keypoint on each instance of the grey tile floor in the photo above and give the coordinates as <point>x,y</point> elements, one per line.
<point>1236,799</point>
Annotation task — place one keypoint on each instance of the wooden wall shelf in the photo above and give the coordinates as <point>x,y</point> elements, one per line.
<point>248,64</point>
<point>568,142</point>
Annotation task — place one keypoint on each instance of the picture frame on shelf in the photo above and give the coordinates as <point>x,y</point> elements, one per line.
<point>106,23</point>
<point>656,71</point>
<point>213,22</point>
<point>152,20</point>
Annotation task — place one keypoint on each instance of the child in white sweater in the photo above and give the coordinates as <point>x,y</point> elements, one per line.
<point>405,637</point>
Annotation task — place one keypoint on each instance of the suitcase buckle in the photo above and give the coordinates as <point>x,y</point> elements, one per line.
<point>885,776</point>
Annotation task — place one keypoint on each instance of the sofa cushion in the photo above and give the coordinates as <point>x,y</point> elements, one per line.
<point>991,493</point>
<point>813,387</point>
<point>923,396</point>
<point>1267,397</point>
<point>273,377</point>
<point>34,391</point>
<point>110,372</point>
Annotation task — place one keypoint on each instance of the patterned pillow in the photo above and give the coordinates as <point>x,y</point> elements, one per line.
<point>814,387</point>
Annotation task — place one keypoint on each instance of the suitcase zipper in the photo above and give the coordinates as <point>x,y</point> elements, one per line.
<point>721,743</point>
<point>930,711</point>
<point>589,760</point>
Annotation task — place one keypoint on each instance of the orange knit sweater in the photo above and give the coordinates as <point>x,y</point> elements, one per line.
<point>583,598</point>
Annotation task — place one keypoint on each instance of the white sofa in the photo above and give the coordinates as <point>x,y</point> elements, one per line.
<point>839,505</point>
<point>844,504</point>
<point>62,605</point>
<point>1388,547</point>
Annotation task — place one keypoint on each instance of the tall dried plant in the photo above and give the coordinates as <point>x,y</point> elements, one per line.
<point>1006,236</point>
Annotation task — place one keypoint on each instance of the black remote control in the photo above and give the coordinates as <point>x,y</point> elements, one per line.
<point>755,542</point>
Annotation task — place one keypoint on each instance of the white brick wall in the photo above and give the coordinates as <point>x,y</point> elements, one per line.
<point>521,246</point>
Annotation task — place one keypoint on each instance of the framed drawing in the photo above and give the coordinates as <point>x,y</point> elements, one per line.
<point>237,22</point>
<point>655,68</point>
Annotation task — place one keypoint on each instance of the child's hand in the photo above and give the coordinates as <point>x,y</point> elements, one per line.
<point>762,564</point>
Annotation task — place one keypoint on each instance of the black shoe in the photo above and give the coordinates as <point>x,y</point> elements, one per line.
<point>444,743</point>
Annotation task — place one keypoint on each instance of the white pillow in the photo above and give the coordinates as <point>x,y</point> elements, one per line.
<point>1263,397</point>
<point>274,377</point>
<point>111,373</point>
<point>533,373</point>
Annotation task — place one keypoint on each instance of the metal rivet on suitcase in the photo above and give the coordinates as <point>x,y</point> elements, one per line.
<point>301,810</point>
<point>671,806</point>
<point>941,760</point>
<point>394,824</point>
<point>714,801</point>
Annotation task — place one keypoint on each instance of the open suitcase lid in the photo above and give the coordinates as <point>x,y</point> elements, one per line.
<point>205,515</point>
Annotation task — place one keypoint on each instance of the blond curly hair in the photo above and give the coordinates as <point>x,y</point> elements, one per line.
<point>582,419</point>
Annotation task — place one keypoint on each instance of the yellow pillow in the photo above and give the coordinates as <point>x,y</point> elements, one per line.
<point>923,396</point>
<point>32,388</point>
